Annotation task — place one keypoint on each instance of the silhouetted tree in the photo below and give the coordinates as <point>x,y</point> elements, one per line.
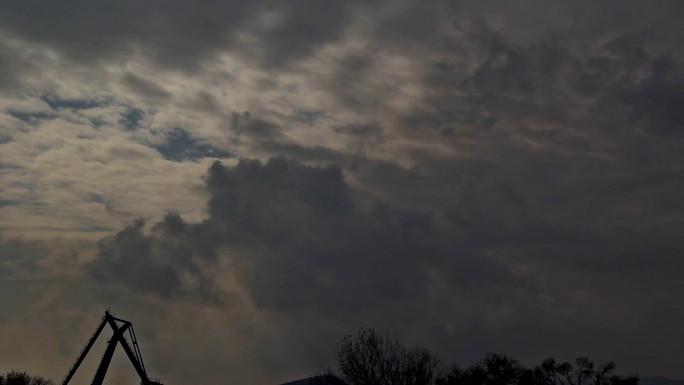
<point>371,359</point>
<point>585,372</point>
<point>416,366</point>
<point>502,370</point>
<point>452,376</point>
<point>22,378</point>
<point>494,369</point>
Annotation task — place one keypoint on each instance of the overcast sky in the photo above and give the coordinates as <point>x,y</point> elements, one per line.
<point>250,181</point>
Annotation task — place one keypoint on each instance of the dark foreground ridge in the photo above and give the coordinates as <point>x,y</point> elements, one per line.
<point>318,380</point>
<point>333,380</point>
<point>660,381</point>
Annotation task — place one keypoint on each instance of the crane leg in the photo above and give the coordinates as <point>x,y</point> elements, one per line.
<point>107,357</point>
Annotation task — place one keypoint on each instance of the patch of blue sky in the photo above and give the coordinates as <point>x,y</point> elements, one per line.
<point>130,120</point>
<point>309,116</point>
<point>180,146</point>
<point>7,202</point>
<point>55,102</point>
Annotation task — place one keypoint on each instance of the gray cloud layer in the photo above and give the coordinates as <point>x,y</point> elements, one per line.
<point>473,175</point>
<point>307,245</point>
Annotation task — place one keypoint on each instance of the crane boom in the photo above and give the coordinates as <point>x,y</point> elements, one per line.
<point>120,327</point>
<point>84,352</point>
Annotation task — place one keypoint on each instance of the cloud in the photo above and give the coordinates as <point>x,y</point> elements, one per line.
<point>55,102</point>
<point>472,175</point>
<point>28,116</point>
<point>14,63</point>
<point>144,87</point>
<point>293,232</point>
<point>143,262</point>
<point>492,247</point>
<point>175,35</point>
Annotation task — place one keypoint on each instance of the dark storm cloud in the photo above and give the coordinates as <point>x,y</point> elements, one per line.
<point>304,153</point>
<point>530,240</point>
<point>96,30</point>
<point>306,25</point>
<point>617,97</point>
<point>558,214</point>
<point>158,263</point>
<point>13,64</point>
<point>269,137</point>
<point>173,34</point>
<point>654,100</point>
<point>24,253</point>
<point>547,219</point>
<point>316,247</point>
<point>255,128</point>
<point>559,217</point>
<point>301,241</point>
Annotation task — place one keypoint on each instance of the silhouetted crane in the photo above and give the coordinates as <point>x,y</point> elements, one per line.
<point>120,327</point>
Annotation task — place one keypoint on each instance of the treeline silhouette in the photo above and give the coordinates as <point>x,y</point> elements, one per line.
<point>369,358</point>
<point>497,369</point>
<point>22,378</point>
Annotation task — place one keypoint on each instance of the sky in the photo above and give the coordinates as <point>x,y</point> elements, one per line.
<point>248,182</point>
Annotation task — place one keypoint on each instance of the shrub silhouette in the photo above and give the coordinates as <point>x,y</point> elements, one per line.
<point>369,358</point>
<point>372,359</point>
<point>498,369</point>
<point>22,378</point>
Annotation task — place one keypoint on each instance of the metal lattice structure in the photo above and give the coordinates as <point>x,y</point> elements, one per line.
<point>120,327</point>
